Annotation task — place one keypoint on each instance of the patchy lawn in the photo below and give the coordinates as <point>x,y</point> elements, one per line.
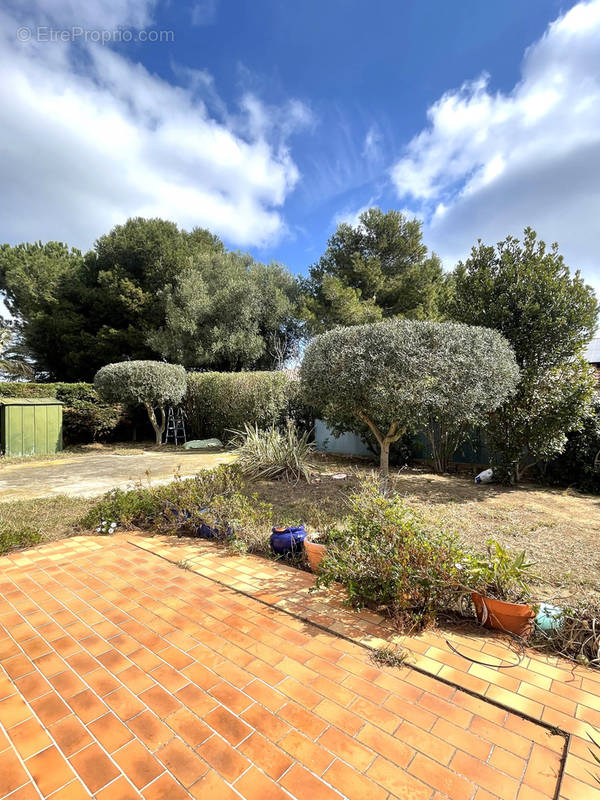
<point>558,528</point>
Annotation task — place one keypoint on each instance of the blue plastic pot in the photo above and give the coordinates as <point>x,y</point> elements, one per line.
<point>285,541</point>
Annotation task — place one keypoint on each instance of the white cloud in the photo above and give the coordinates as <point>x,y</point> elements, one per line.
<point>490,163</point>
<point>90,138</point>
<point>204,12</point>
<point>106,14</point>
<point>372,145</point>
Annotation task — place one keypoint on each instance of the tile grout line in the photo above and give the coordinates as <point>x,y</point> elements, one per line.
<point>556,730</point>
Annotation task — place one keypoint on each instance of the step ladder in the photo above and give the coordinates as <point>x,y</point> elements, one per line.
<point>175,430</point>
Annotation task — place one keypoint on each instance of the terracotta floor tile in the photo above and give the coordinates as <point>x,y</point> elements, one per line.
<point>67,683</point>
<point>94,767</point>
<point>29,737</point>
<point>182,762</point>
<point>253,785</point>
<point>49,769</point>
<point>210,785</point>
<point>119,789</point>
<point>87,705</point>
<point>221,756</point>
<point>140,766</point>
<point>352,784</point>
<point>74,790</point>
<point>399,783</point>
<point>167,788</point>
<point>150,730</point>
<point>110,732</point>
<point>70,735</point>
<point>50,708</point>
<point>229,725</point>
<point>124,703</point>
<point>161,702</point>
<point>264,754</point>
<point>301,783</point>
<point>189,727</point>
<point>12,772</point>
<point>17,666</point>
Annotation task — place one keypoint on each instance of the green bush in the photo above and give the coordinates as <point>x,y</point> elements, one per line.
<point>272,454</point>
<point>579,464</point>
<point>12,536</point>
<point>391,561</point>
<point>213,497</point>
<point>218,403</point>
<point>152,384</point>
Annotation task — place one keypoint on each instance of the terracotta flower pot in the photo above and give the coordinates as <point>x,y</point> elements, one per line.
<point>502,616</point>
<point>315,552</point>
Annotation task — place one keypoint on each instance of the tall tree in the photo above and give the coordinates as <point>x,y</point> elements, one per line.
<point>526,292</point>
<point>379,268</point>
<point>138,295</point>
<point>226,312</point>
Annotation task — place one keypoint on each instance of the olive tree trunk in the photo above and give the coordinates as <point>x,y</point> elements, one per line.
<point>158,429</point>
<point>384,441</point>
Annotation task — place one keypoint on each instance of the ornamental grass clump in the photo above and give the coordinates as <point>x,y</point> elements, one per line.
<point>273,454</point>
<point>393,562</point>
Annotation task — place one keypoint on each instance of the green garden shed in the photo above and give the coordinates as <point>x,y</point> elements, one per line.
<point>30,426</point>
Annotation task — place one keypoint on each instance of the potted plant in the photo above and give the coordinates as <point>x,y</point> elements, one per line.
<point>500,589</point>
<point>315,547</point>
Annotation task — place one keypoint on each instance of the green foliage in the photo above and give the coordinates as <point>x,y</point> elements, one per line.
<point>213,497</point>
<point>533,426</point>
<point>390,560</point>
<point>272,453</point>
<point>13,536</point>
<point>220,402</point>
<point>148,289</point>
<point>85,417</point>
<point>378,269</point>
<point>579,464</point>
<point>528,294</point>
<point>148,383</point>
<point>500,574</point>
<point>400,375</point>
<point>227,312</point>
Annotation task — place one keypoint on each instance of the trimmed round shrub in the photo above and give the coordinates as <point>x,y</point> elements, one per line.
<point>400,376</point>
<point>153,384</point>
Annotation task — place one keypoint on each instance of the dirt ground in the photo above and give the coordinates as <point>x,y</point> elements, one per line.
<point>558,528</point>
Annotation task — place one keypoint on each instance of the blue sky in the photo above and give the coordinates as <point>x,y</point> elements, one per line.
<point>269,121</point>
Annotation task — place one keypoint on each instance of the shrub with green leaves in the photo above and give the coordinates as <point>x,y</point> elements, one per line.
<point>152,384</point>
<point>13,536</point>
<point>398,376</point>
<point>499,573</point>
<point>218,403</point>
<point>213,497</point>
<point>272,454</point>
<point>390,560</point>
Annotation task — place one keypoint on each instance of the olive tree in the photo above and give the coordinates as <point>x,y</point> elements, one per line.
<point>400,376</point>
<point>153,384</point>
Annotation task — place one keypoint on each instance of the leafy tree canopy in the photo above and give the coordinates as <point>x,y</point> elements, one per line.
<point>152,384</point>
<point>526,292</point>
<point>139,294</point>
<point>401,375</point>
<point>377,269</point>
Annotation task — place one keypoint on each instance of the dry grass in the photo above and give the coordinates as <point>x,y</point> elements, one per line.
<point>94,448</point>
<point>558,528</point>
<point>54,517</point>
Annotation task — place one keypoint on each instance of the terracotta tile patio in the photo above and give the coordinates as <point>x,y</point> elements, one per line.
<point>123,676</point>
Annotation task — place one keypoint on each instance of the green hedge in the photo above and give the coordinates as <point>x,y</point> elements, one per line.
<point>218,402</point>
<point>85,418</point>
